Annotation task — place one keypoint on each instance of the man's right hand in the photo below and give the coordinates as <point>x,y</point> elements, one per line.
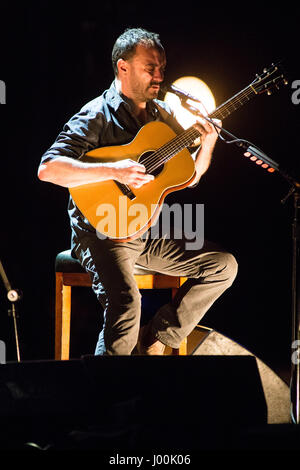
<point>131,173</point>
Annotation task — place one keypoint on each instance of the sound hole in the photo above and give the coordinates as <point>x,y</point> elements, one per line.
<point>150,162</point>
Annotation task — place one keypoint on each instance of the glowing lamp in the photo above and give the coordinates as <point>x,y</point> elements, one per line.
<point>197,88</point>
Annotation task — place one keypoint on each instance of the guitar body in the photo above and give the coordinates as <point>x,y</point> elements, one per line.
<point>114,214</point>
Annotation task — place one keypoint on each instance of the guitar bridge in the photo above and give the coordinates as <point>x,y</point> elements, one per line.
<point>126,190</point>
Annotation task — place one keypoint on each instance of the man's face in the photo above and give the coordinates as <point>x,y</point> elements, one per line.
<point>145,73</point>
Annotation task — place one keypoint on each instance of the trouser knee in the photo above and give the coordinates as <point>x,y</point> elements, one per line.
<point>124,298</point>
<point>123,309</point>
<point>228,266</point>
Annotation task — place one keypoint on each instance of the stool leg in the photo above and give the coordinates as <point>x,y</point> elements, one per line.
<point>66,323</point>
<point>182,351</point>
<point>62,319</point>
<point>58,314</point>
<point>183,348</point>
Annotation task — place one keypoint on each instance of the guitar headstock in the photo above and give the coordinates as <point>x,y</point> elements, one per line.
<point>270,79</point>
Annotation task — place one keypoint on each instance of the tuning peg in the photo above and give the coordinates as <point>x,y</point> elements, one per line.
<point>285,82</point>
<point>269,92</point>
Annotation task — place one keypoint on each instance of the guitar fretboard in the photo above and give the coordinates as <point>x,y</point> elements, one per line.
<point>233,103</point>
<point>184,140</point>
<point>169,150</point>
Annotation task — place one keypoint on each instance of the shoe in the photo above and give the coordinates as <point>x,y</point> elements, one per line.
<point>147,343</point>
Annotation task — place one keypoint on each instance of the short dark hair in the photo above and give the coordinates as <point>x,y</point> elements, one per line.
<point>125,45</point>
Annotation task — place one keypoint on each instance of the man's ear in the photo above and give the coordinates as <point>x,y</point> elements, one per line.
<point>122,66</point>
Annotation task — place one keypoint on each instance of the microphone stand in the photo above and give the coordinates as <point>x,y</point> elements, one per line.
<point>13,296</point>
<point>295,191</point>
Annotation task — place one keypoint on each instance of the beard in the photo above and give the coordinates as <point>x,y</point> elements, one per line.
<point>145,93</point>
<point>153,91</point>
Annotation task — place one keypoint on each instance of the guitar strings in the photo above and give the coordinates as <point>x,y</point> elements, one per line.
<point>238,99</point>
<point>223,111</point>
<point>171,149</point>
<point>171,146</point>
<point>164,152</point>
<point>176,146</point>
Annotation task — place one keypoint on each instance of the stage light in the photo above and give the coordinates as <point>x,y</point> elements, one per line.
<point>197,88</point>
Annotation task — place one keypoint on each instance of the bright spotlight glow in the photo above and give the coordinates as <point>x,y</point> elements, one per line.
<point>197,88</point>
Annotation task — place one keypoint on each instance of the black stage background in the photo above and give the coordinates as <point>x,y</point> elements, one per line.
<point>55,58</point>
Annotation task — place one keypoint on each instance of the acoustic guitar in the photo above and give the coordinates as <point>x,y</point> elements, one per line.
<point>122,213</point>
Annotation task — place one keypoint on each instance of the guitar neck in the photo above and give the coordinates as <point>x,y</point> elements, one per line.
<point>186,139</point>
<point>231,105</point>
<point>234,103</point>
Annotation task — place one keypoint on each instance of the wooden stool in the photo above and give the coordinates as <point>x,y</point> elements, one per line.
<point>69,273</point>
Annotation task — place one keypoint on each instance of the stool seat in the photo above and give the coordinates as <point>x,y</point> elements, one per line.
<point>69,273</point>
<point>66,263</point>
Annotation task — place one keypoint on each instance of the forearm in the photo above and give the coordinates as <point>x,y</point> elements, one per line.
<point>69,172</point>
<point>202,162</point>
<point>209,135</point>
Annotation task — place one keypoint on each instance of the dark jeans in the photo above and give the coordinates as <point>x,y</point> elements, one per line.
<point>210,271</point>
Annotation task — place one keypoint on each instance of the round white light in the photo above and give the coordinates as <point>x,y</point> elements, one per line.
<point>197,88</point>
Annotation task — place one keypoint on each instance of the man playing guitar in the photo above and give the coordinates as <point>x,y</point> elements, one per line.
<point>114,119</point>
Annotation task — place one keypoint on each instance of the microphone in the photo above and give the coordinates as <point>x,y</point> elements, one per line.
<point>178,92</point>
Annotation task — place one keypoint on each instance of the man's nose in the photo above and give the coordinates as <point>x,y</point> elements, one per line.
<point>158,75</point>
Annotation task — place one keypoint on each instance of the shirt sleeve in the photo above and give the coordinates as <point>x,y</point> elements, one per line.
<point>79,135</point>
